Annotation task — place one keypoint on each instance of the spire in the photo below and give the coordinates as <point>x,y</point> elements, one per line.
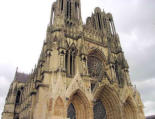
<point>16,69</point>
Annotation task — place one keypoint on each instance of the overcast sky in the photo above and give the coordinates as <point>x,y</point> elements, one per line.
<point>23,26</point>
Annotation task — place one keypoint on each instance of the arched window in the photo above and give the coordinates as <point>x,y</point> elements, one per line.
<point>66,61</point>
<point>99,20</point>
<point>68,9</point>
<point>70,62</point>
<point>53,15</point>
<point>117,72</point>
<point>77,10</point>
<point>99,110</point>
<point>61,4</point>
<point>71,113</point>
<point>18,97</point>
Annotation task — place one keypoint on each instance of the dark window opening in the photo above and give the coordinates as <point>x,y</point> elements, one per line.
<point>62,4</point>
<point>66,61</point>
<point>99,21</point>
<point>18,97</point>
<point>117,73</point>
<point>70,62</point>
<point>70,10</point>
<point>67,9</point>
<point>92,86</point>
<point>71,113</point>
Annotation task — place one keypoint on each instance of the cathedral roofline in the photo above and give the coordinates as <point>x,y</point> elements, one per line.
<point>21,77</point>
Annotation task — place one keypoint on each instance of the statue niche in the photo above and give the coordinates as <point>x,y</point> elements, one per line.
<point>59,107</point>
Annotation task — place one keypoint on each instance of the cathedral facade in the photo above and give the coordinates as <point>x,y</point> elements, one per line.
<point>81,73</point>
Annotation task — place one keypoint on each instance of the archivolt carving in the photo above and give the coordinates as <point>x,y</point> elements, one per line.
<point>130,109</point>
<point>81,105</point>
<point>110,100</point>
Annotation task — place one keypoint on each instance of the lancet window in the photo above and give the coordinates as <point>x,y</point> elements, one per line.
<point>69,9</point>
<point>18,97</point>
<point>99,20</point>
<point>52,16</point>
<point>117,72</point>
<point>70,62</point>
<point>61,4</point>
<point>77,10</point>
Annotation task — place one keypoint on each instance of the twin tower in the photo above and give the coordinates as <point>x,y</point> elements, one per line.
<point>81,73</point>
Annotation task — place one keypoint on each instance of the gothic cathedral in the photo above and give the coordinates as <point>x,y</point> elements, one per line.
<point>81,73</point>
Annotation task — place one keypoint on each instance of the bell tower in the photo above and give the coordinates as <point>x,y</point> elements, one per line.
<point>66,11</point>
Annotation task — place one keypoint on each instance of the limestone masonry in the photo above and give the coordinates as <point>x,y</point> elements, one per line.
<point>81,73</point>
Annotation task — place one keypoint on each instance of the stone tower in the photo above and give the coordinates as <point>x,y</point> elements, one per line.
<point>81,73</point>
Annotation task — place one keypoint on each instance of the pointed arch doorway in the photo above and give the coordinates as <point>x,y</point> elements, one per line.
<point>78,106</point>
<point>107,104</point>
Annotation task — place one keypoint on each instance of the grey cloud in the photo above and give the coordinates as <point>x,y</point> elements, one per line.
<point>146,87</point>
<point>142,65</point>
